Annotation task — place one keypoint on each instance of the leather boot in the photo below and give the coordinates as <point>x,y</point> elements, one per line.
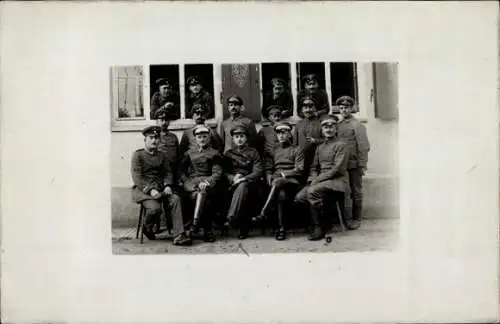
<point>357,207</point>
<point>281,233</point>
<point>317,232</point>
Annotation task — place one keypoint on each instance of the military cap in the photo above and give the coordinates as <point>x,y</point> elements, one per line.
<point>235,99</point>
<point>309,78</point>
<point>192,80</point>
<point>238,129</point>
<point>344,101</point>
<point>163,81</point>
<point>198,108</point>
<point>308,98</point>
<point>282,126</point>
<point>162,113</point>
<point>274,108</point>
<point>200,129</point>
<point>329,120</point>
<point>277,81</point>
<point>151,130</point>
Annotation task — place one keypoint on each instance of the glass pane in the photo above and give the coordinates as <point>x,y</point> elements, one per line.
<point>343,79</point>
<point>129,92</point>
<point>202,88</point>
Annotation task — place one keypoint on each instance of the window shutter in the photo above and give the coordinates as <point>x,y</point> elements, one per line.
<point>386,90</point>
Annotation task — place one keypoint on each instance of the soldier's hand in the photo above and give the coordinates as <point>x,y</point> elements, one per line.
<point>242,179</point>
<point>363,171</point>
<point>203,185</point>
<point>310,139</point>
<point>268,179</point>
<point>236,178</point>
<point>155,194</point>
<point>167,191</point>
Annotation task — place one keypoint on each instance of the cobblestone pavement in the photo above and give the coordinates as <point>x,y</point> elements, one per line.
<point>373,235</point>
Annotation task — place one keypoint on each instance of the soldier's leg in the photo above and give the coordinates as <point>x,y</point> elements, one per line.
<point>153,212</point>
<point>286,193</point>
<point>208,207</point>
<point>356,186</point>
<point>316,195</point>
<point>173,206</point>
<point>238,210</point>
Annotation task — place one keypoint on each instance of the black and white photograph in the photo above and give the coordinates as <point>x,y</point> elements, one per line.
<point>254,158</point>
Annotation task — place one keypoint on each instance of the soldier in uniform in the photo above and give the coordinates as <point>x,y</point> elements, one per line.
<point>167,98</point>
<point>279,96</point>
<point>354,133</point>
<point>169,144</point>
<point>235,106</point>
<point>243,170</point>
<point>307,132</point>
<point>201,170</point>
<point>267,136</point>
<point>198,95</point>
<point>198,113</point>
<point>311,89</point>
<point>328,176</point>
<point>283,173</point>
<point>153,186</point>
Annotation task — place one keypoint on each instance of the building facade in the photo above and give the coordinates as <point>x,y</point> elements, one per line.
<point>373,85</point>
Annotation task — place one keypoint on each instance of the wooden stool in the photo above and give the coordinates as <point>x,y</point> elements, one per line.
<point>140,223</point>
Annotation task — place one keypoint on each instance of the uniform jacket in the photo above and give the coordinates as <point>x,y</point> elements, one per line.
<point>330,165</point>
<point>150,171</point>
<point>287,159</point>
<point>204,98</point>
<point>321,97</point>
<point>266,138</point>
<point>169,144</point>
<point>306,128</point>
<point>229,123</point>
<point>188,141</point>
<point>284,100</point>
<point>200,165</point>
<point>354,133</point>
<point>245,161</point>
<point>157,101</point>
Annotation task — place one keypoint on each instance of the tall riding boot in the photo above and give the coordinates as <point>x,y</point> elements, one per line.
<point>357,207</point>
<point>281,233</point>
<point>317,232</point>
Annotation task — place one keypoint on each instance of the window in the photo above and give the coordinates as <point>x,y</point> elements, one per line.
<point>344,81</point>
<point>203,92</point>
<point>164,88</point>
<point>127,93</point>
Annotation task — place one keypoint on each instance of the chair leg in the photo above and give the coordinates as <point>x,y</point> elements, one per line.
<point>340,212</point>
<point>139,223</point>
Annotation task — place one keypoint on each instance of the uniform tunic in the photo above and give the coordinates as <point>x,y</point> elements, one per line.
<point>169,144</point>
<point>328,172</point>
<point>285,100</point>
<point>157,101</point>
<point>188,141</point>
<point>229,123</point>
<point>149,171</point>
<point>200,164</point>
<point>321,97</point>
<point>205,99</point>
<point>245,161</point>
<point>287,159</point>
<point>267,138</point>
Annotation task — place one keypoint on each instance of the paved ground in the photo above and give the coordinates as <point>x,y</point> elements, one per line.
<point>373,235</point>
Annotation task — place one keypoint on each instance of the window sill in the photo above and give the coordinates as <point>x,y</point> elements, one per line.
<point>139,125</point>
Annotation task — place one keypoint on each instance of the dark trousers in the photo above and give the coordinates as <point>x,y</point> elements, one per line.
<point>285,192</point>
<point>171,205</point>
<point>356,184</point>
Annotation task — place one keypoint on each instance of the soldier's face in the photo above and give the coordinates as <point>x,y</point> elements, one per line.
<point>151,142</point>
<point>312,86</point>
<point>195,88</point>
<point>283,136</point>
<point>164,90</point>
<point>163,123</point>
<point>345,110</point>
<point>201,139</point>
<point>278,89</point>
<point>328,130</point>
<point>275,117</point>
<point>234,108</point>
<point>198,118</point>
<point>239,139</point>
<point>308,108</point>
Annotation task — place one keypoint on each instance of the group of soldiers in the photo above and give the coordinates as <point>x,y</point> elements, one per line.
<point>220,177</point>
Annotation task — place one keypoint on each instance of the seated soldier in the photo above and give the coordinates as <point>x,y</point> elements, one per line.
<point>311,89</point>
<point>243,169</point>
<point>279,96</point>
<point>328,176</point>
<point>198,114</point>
<point>283,172</point>
<point>153,186</point>
<point>200,173</point>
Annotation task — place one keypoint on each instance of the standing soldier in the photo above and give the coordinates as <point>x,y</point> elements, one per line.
<point>279,96</point>
<point>328,177</point>
<point>354,133</point>
<point>153,186</point>
<point>169,144</point>
<point>198,113</point>
<point>167,98</point>
<point>307,133</point>
<point>235,106</point>
<point>267,136</point>
<point>244,169</point>
<point>198,95</point>
<point>311,88</point>
<point>283,172</point>
<point>201,171</point>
